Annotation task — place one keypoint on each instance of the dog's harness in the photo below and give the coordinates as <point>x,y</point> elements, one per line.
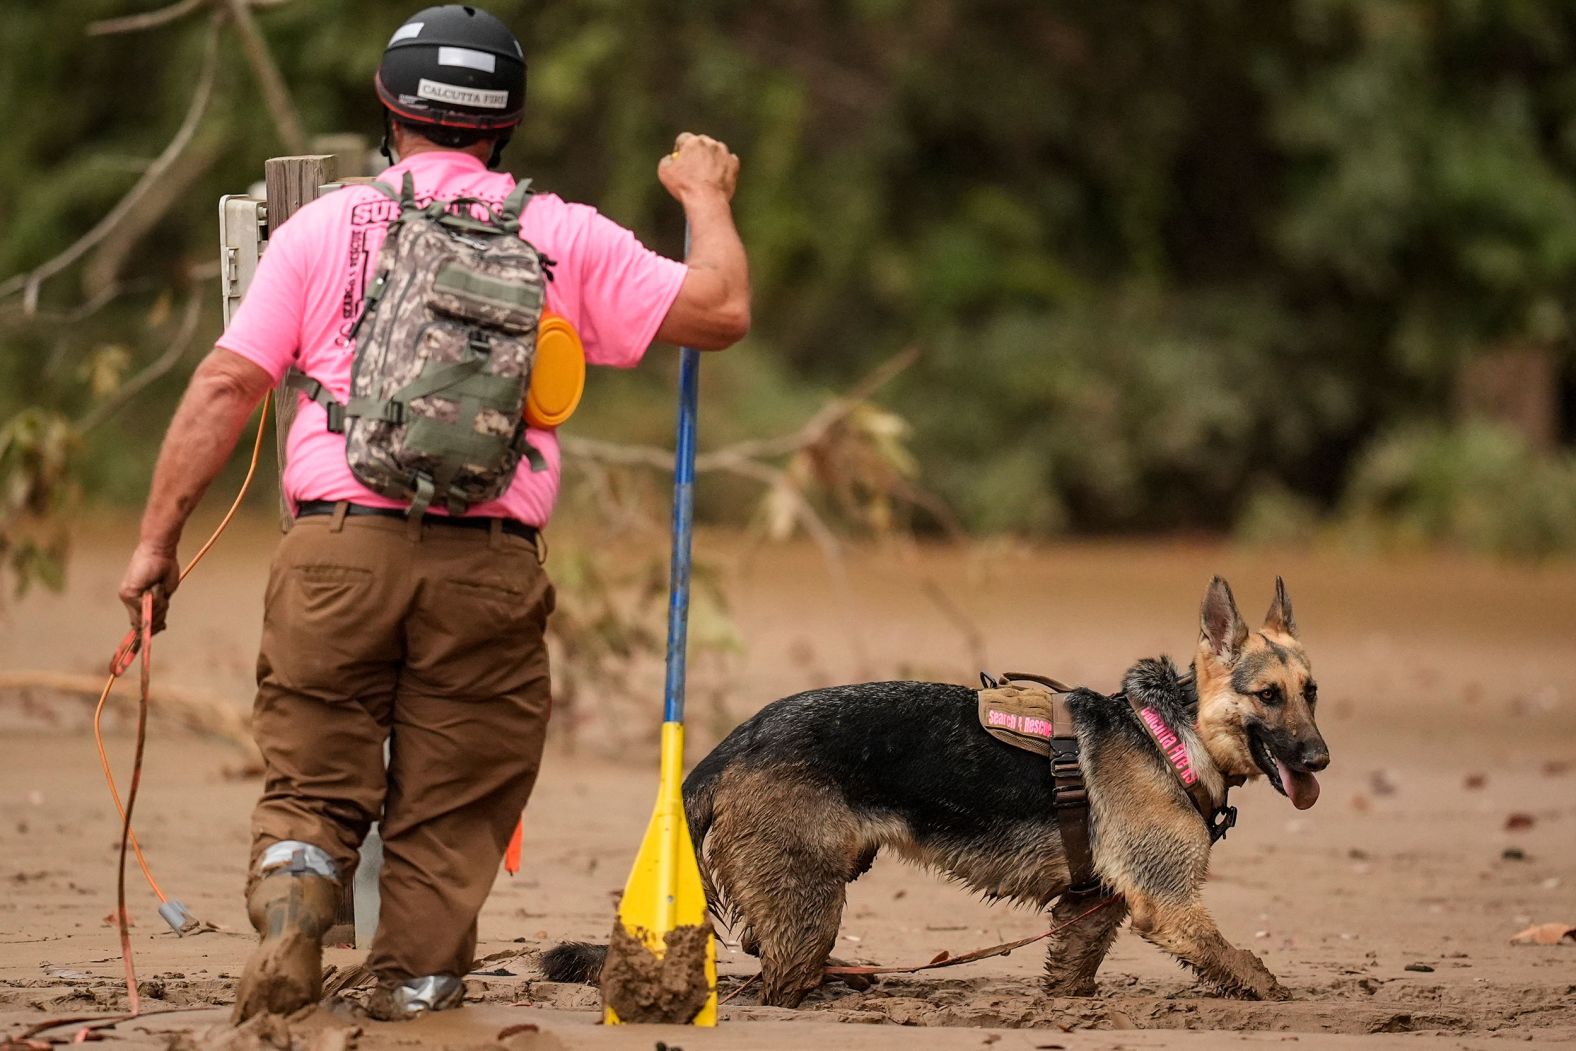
<point>1037,718</point>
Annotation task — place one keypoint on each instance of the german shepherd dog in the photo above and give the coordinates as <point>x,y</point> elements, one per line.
<point>796,802</point>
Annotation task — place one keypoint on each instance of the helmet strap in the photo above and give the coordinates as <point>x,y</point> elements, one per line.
<point>497,150</point>
<point>384,147</point>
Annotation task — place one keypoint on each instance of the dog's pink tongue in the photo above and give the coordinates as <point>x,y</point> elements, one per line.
<point>1301,787</point>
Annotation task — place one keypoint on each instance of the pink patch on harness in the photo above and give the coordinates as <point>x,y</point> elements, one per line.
<point>1005,720</point>
<point>1033,726</point>
<point>1173,747</point>
<point>1038,727</point>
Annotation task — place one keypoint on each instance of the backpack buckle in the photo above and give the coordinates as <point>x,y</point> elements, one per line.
<point>336,417</point>
<point>477,341</point>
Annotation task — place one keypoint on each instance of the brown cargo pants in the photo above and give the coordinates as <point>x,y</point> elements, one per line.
<point>430,636</point>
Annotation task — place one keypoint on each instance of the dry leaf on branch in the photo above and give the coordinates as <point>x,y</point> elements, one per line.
<point>1545,934</point>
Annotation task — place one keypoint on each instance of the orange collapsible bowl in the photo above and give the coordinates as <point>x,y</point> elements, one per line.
<point>558,378</point>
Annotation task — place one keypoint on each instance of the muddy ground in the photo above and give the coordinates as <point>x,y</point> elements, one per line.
<point>1446,822</point>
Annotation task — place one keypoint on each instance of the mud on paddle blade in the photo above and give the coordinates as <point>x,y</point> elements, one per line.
<point>662,960</point>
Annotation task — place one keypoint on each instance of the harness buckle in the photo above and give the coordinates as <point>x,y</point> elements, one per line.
<point>336,417</point>
<point>1069,796</point>
<point>1221,822</point>
<point>1065,765</point>
<point>1069,789</point>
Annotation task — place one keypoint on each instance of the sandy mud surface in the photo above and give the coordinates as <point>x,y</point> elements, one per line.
<point>1447,821</point>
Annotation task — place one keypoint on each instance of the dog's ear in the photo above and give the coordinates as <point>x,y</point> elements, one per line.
<point>1220,623</point>
<point>1279,618</point>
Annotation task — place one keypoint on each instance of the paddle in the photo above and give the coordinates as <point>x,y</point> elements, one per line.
<point>664,892</point>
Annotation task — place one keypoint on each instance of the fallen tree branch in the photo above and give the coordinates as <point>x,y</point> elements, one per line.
<point>145,20</point>
<point>172,355</point>
<point>724,461</point>
<point>751,459</point>
<point>212,716</point>
<point>973,638</point>
<point>829,416</point>
<point>113,257</point>
<point>281,106</point>
<point>30,283</point>
<point>160,17</point>
<point>729,457</point>
<point>101,299</point>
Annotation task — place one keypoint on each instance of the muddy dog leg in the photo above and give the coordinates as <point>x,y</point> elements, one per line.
<point>793,916</point>
<point>1073,955</point>
<point>784,875</point>
<point>1188,932</point>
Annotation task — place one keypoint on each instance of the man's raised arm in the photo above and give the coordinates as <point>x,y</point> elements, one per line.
<point>712,310</point>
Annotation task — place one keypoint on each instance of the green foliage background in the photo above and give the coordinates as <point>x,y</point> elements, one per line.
<point>1170,262</point>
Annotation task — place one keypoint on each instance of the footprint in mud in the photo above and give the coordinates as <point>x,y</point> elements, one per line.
<point>310,1029</point>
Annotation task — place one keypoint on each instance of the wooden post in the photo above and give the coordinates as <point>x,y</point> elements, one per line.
<point>292,182</point>
<point>351,152</point>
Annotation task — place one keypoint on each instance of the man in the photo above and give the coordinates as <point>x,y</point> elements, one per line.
<point>427,633</point>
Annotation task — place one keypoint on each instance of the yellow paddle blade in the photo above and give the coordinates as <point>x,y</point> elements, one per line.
<point>664,890</point>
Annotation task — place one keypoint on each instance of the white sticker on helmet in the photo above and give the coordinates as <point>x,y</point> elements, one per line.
<point>464,56</point>
<point>440,92</point>
<point>406,31</point>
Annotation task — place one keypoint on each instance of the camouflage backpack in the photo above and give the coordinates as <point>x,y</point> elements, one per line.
<point>444,348</point>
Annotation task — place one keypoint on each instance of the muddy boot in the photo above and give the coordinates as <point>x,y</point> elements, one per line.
<point>291,905</point>
<point>395,1001</point>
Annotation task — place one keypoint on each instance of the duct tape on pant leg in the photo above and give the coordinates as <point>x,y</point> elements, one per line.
<point>298,858</point>
<point>407,999</point>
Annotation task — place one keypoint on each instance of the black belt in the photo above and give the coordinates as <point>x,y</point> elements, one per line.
<point>308,508</point>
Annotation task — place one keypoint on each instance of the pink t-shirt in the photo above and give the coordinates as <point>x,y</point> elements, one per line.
<point>308,290</point>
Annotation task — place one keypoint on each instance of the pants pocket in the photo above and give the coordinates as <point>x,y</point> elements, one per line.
<point>330,592</point>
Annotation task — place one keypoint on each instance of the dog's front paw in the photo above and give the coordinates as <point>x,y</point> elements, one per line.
<point>1266,987</point>
<point>1254,980</point>
<point>1068,986</point>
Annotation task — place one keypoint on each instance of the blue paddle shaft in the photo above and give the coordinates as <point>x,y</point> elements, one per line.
<point>683,524</point>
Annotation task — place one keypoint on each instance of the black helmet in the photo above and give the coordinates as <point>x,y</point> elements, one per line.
<point>455,66</point>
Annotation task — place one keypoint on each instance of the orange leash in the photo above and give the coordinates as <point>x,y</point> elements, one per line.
<point>137,641</point>
<point>122,919</point>
<point>946,960</point>
<point>978,954</point>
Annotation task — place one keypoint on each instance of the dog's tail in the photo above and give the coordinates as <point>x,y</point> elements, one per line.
<point>582,962</point>
<point>574,962</point>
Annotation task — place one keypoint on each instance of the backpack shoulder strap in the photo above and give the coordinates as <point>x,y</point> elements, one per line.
<point>295,379</point>
<point>514,204</point>
<point>405,198</point>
